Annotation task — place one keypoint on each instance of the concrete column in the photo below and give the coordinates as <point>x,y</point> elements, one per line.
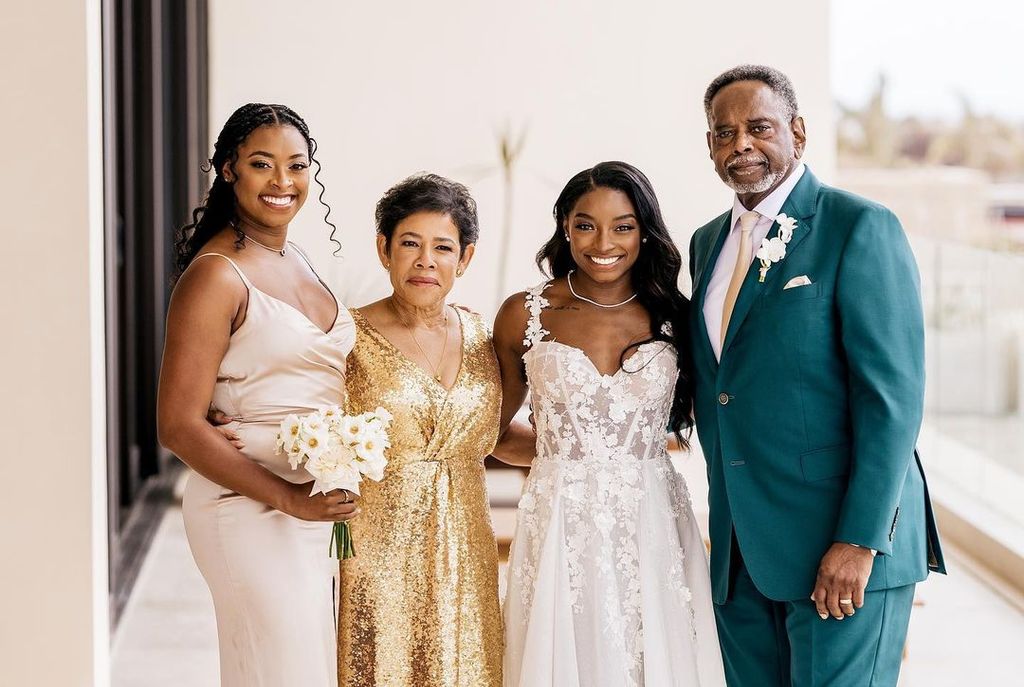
<point>53,576</point>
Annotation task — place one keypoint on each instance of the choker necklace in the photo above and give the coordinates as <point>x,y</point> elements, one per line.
<point>568,278</point>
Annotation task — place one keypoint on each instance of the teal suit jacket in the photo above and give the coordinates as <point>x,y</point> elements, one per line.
<point>810,420</point>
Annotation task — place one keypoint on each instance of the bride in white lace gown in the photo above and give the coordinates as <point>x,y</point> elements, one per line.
<point>608,581</point>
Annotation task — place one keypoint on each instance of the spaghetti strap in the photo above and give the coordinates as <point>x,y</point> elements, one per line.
<point>238,270</point>
<point>302,254</point>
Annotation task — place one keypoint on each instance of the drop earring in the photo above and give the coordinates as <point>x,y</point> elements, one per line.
<point>643,240</point>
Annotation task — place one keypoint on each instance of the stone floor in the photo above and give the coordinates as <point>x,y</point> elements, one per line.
<point>964,632</point>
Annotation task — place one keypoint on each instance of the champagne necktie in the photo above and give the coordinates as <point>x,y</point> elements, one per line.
<point>747,222</point>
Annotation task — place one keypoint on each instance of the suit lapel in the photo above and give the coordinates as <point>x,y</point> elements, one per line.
<point>703,278</point>
<point>801,205</point>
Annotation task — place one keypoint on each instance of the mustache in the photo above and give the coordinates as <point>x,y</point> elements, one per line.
<point>743,161</point>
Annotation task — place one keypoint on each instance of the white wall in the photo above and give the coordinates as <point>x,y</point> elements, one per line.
<point>53,561</point>
<point>392,88</point>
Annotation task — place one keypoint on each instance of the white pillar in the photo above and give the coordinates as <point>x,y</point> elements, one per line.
<point>53,537</point>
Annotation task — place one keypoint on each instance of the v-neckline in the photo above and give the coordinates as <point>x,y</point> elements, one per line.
<point>409,361</point>
<point>307,318</point>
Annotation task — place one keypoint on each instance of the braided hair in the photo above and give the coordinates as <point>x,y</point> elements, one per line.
<point>219,209</point>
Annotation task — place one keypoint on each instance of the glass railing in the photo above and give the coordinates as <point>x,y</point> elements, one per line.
<point>973,436</point>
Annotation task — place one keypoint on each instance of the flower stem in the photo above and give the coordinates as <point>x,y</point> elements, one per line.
<point>341,542</point>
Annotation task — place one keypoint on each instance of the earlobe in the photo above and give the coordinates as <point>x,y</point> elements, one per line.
<point>799,136</point>
<point>383,254</point>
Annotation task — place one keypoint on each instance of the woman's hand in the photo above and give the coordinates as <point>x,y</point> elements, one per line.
<point>334,506</point>
<point>219,420</point>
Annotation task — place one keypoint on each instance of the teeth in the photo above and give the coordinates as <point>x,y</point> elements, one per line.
<point>604,261</point>
<point>274,200</point>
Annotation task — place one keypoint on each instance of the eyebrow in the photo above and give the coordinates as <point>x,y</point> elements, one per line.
<point>413,234</point>
<point>266,154</point>
<point>620,217</point>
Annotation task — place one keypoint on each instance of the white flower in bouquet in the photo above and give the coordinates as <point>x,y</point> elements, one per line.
<point>352,429</point>
<point>291,427</point>
<point>380,416</point>
<point>315,441</point>
<point>333,469</point>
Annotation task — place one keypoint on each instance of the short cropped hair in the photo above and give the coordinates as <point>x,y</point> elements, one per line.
<point>773,78</point>
<point>428,193</point>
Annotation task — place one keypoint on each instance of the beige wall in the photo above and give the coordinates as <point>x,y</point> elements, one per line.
<point>392,88</point>
<point>53,613</point>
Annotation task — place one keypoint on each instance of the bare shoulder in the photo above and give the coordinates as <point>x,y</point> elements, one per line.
<point>210,279</point>
<point>511,321</point>
<point>376,313</point>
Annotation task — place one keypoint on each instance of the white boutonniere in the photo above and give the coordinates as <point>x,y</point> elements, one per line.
<point>774,249</point>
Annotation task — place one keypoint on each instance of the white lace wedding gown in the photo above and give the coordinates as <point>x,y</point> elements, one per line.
<point>608,581</point>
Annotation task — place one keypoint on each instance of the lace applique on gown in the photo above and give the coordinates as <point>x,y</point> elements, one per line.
<point>608,579</point>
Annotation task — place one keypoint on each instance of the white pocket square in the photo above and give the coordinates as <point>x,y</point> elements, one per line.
<point>802,280</point>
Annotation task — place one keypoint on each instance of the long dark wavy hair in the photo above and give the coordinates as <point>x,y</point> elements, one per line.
<point>655,273</point>
<point>219,209</point>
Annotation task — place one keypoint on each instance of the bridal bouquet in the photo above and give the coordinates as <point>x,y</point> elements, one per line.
<point>338,450</point>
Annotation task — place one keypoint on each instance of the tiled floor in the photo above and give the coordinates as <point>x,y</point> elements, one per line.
<point>963,633</point>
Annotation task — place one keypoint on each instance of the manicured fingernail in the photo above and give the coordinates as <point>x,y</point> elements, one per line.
<point>824,616</point>
<point>840,617</point>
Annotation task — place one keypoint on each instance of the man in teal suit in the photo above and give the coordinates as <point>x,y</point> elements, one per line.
<point>808,341</point>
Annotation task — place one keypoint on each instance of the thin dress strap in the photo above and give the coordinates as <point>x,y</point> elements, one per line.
<point>340,311</point>
<point>535,303</point>
<point>238,270</point>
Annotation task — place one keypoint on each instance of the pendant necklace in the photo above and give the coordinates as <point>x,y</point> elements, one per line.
<point>281,251</point>
<point>444,348</point>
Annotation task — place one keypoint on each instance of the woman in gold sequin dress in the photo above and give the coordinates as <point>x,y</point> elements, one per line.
<point>419,602</point>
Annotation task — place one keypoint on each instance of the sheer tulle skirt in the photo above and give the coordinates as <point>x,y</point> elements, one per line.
<point>608,580</point>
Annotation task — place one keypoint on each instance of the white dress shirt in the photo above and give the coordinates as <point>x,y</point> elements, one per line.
<point>769,208</point>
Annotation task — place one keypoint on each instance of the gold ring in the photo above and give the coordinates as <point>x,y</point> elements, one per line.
<point>348,499</point>
<point>846,602</point>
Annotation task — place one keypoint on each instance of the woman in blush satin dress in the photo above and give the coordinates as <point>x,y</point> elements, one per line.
<point>253,330</point>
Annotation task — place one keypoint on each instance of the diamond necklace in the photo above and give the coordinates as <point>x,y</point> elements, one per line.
<point>568,278</point>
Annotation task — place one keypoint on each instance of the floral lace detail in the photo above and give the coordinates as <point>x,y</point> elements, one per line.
<point>602,482</point>
<point>535,303</point>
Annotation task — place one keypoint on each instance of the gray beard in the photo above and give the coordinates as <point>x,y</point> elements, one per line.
<point>766,182</point>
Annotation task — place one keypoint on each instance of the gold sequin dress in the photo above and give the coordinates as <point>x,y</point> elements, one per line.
<point>419,602</point>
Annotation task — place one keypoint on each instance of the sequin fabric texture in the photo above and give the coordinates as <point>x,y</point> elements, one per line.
<point>419,602</point>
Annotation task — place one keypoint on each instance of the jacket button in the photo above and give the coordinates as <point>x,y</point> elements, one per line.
<point>723,398</point>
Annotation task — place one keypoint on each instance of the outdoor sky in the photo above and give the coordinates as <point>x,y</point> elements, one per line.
<point>931,50</point>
